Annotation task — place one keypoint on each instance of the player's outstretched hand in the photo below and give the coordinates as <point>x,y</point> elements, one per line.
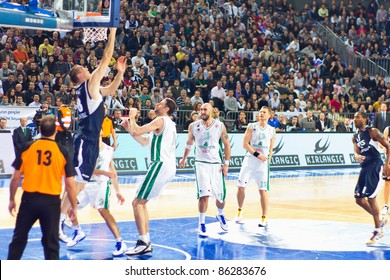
<point>121,64</point>
<point>133,112</point>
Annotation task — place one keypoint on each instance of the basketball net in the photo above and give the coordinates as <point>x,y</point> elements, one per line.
<point>94,34</point>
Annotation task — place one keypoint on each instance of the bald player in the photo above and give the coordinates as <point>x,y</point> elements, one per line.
<point>211,164</point>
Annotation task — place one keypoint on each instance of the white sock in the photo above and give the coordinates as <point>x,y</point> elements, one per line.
<point>62,217</point>
<point>378,230</point>
<point>119,239</point>
<point>220,211</point>
<point>144,238</point>
<point>148,236</point>
<point>77,227</point>
<point>202,218</point>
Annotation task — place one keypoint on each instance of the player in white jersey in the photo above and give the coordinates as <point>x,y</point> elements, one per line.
<point>210,165</point>
<point>162,168</point>
<point>258,141</point>
<point>97,193</point>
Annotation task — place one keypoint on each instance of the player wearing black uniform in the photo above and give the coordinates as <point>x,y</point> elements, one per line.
<point>90,108</point>
<point>366,148</point>
<point>91,114</point>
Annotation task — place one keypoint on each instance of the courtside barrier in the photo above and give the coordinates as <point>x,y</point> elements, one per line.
<point>291,151</point>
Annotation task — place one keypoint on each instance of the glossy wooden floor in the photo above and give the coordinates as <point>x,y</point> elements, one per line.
<point>317,197</point>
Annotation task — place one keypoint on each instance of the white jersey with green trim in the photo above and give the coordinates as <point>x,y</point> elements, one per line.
<point>261,138</point>
<point>208,143</point>
<point>106,154</point>
<point>162,146</point>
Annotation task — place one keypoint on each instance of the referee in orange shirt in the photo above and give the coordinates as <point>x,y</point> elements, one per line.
<point>108,129</point>
<point>43,164</point>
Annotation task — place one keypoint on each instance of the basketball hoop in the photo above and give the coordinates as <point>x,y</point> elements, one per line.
<point>94,34</point>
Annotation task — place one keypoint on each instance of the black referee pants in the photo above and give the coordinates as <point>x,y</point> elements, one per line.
<point>33,207</point>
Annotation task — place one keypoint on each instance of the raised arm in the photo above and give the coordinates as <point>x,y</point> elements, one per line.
<point>144,141</point>
<point>188,148</point>
<point>111,88</point>
<point>98,74</point>
<point>137,131</point>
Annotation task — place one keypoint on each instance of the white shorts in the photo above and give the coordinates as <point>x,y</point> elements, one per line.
<point>158,176</point>
<point>95,193</point>
<point>210,181</point>
<point>254,169</point>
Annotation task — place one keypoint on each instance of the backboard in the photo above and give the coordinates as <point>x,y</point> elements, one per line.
<point>32,16</point>
<point>93,13</point>
<point>60,14</point>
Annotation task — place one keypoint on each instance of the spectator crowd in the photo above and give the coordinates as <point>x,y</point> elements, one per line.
<point>237,55</point>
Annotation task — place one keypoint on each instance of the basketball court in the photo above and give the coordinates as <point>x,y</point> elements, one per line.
<point>312,217</point>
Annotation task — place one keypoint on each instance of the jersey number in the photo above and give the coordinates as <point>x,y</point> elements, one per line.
<point>79,106</point>
<point>361,144</point>
<point>46,157</point>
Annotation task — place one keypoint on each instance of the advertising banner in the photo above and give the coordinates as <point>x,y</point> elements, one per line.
<point>13,115</point>
<point>295,150</point>
<point>7,154</point>
<point>291,150</point>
